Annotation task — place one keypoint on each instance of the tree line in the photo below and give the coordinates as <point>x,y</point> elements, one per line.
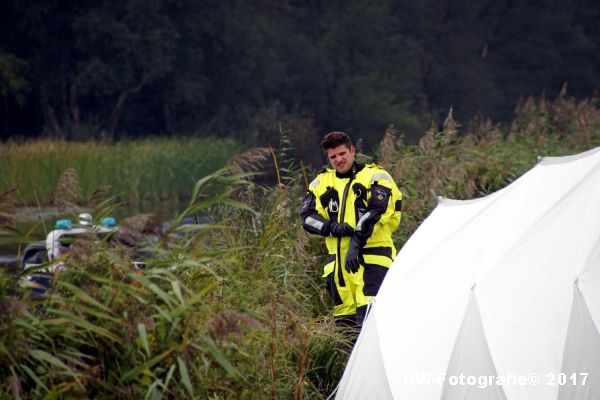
<point>124,68</point>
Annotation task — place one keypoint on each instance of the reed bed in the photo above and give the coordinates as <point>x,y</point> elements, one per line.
<point>136,170</point>
<point>484,157</point>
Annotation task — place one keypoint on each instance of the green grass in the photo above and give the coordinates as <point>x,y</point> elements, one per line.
<point>141,170</point>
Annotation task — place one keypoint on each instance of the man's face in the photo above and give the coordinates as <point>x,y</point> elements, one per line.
<point>341,157</point>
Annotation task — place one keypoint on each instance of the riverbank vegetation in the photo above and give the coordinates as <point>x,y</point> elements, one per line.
<point>235,308</point>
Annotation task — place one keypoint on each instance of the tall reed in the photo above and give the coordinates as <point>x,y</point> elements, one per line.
<point>137,170</point>
<point>485,157</point>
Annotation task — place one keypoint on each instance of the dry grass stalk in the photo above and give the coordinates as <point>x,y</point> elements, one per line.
<point>68,190</point>
<point>277,170</point>
<point>389,146</point>
<point>231,324</point>
<point>450,126</point>
<point>132,229</point>
<point>272,346</point>
<point>427,142</point>
<point>82,250</point>
<point>552,120</point>
<point>249,161</point>
<point>100,195</point>
<point>304,176</point>
<point>8,206</point>
<point>298,390</point>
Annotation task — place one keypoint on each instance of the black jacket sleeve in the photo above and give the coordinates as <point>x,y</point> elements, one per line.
<point>312,221</point>
<point>376,206</point>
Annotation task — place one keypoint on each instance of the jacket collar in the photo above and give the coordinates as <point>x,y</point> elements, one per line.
<point>356,168</point>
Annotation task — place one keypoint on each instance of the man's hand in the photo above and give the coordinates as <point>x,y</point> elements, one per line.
<point>341,230</point>
<point>352,262</point>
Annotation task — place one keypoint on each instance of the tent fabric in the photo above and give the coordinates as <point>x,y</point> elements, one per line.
<point>508,263</point>
<point>582,353</point>
<point>371,361</point>
<point>471,340</point>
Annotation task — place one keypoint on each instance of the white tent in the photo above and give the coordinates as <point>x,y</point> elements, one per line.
<point>494,298</point>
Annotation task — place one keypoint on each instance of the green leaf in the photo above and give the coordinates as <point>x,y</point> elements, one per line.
<point>152,393</point>
<point>51,395</point>
<point>33,376</point>
<point>169,376</point>
<point>84,324</point>
<point>133,373</point>
<point>84,296</point>
<point>220,358</point>
<point>185,377</point>
<point>144,338</point>
<point>177,291</point>
<point>195,228</point>
<point>193,300</point>
<point>46,357</point>
<point>153,287</point>
<point>95,313</point>
<point>163,313</point>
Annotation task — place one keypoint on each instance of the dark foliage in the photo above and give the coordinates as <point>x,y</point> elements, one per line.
<point>106,69</point>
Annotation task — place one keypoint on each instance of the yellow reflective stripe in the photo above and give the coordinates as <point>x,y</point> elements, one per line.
<point>342,309</point>
<point>328,269</point>
<point>378,260</point>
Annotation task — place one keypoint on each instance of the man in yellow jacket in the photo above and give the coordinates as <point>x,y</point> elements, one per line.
<point>356,207</point>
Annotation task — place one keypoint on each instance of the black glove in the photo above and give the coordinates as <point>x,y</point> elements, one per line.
<point>341,230</point>
<point>352,262</point>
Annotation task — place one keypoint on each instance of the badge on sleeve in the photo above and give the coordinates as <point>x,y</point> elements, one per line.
<point>380,195</point>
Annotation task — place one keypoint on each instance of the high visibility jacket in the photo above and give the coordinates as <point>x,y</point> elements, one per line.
<point>366,198</point>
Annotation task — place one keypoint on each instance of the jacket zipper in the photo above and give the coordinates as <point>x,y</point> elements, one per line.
<point>339,241</point>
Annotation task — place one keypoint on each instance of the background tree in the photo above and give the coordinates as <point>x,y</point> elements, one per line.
<point>113,68</point>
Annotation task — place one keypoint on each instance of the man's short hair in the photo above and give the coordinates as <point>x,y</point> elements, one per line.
<point>335,139</point>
